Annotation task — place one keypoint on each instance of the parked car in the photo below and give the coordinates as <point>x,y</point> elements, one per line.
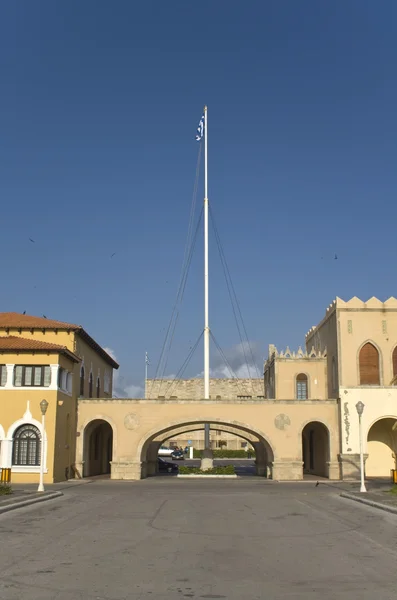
<point>164,451</point>
<point>178,455</point>
<point>167,467</point>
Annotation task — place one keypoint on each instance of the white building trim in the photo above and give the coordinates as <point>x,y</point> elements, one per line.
<point>6,445</point>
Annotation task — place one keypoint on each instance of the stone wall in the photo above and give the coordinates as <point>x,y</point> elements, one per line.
<point>194,388</point>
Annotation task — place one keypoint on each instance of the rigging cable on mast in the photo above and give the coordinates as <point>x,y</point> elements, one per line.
<point>234,301</point>
<point>189,247</point>
<point>233,374</point>
<point>185,363</point>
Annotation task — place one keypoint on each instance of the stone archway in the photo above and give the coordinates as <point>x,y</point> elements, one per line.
<point>381,448</point>
<point>148,447</point>
<point>315,449</point>
<point>98,448</point>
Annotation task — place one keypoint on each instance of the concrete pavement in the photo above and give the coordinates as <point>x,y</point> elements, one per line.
<point>166,538</point>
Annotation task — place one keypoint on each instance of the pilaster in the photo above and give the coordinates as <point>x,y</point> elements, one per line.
<point>287,470</point>
<point>350,465</point>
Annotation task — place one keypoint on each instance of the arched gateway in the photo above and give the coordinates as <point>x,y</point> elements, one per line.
<point>138,427</point>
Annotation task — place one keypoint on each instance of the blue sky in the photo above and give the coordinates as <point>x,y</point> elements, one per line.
<point>99,105</point>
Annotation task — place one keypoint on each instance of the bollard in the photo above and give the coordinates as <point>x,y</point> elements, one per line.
<point>5,477</point>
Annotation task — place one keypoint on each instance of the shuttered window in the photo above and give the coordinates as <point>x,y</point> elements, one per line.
<point>90,386</point>
<point>26,375</point>
<point>82,374</point>
<point>3,375</point>
<point>301,386</point>
<point>369,365</point>
<point>98,388</point>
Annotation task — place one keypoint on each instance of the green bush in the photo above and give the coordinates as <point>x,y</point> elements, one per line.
<point>229,470</point>
<point>5,490</point>
<point>225,453</point>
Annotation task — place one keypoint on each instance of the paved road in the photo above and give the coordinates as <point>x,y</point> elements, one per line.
<point>170,539</point>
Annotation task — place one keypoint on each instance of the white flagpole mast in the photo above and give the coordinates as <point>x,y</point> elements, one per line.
<point>206,307</point>
<point>206,304</point>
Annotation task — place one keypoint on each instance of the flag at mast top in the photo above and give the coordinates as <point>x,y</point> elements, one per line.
<point>200,128</point>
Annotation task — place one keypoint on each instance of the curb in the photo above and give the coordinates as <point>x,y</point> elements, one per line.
<point>385,507</point>
<point>197,476</point>
<point>29,501</point>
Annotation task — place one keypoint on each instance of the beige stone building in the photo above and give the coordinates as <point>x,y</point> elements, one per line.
<point>306,423</point>
<point>232,389</point>
<point>301,419</point>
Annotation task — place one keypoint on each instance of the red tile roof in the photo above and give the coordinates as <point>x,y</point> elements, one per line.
<point>20,344</point>
<point>13,320</point>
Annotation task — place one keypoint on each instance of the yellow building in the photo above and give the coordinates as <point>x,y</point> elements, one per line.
<point>59,362</point>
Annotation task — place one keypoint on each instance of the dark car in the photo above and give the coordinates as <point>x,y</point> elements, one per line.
<point>166,467</point>
<point>178,455</point>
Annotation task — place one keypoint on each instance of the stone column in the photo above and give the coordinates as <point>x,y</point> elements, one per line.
<point>287,470</point>
<point>333,468</point>
<point>260,459</point>
<point>350,466</point>
<point>128,469</point>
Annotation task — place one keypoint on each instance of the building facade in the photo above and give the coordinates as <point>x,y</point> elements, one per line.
<point>52,360</point>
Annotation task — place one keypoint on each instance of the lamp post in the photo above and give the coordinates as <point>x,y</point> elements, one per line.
<point>43,408</point>
<point>360,409</point>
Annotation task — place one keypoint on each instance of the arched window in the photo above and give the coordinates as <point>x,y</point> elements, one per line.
<point>82,382</point>
<point>369,365</point>
<point>395,366</point>
<point>26,446</point>
<point>98,388</point>
<point>90,386</point>
<point>301,386</point>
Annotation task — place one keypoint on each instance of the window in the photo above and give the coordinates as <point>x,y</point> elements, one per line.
<point>3,375</point>
<point>221,444</point>
<point>394,364</point>
<point>98,388</point>
<point>26,446</point>
<point>243,444</point>
<point>90,386</point>
<point>301,386</point>
<point>106,383</point>
<point>369,365</point>
<point>82,381</point>
<point>32,376</point>
<point>60,377</point>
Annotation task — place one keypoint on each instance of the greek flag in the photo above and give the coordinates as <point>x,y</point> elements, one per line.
<point>147,361</point>
<point>200,129</point>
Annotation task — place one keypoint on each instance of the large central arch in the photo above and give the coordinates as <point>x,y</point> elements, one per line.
<point>150,443</point>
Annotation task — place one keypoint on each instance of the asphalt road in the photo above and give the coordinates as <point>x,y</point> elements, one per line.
<point>165,539</point>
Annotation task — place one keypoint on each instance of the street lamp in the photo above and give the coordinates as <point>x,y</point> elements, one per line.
<point>43,408</point>
<point>360,409</point>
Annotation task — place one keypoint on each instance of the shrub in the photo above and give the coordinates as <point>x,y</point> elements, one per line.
<point>223,453</point>
<point>5,490</point>
<point>229,470</point>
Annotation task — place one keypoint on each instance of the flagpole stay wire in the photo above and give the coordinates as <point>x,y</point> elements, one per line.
<point>189,246</point>
<point>185,364</point>
<point>169,336</point>
<point>234,301</point>
<point>233,374</point>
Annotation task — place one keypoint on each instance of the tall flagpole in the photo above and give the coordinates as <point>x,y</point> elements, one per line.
<point>206,305</point>
<point>206,311</point>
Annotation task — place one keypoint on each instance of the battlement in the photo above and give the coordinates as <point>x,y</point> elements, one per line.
<point>355,304</point>
<point>292,355</point>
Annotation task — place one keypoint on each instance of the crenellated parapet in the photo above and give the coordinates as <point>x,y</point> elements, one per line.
<point>355,304</point>
<point>294,355</point>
